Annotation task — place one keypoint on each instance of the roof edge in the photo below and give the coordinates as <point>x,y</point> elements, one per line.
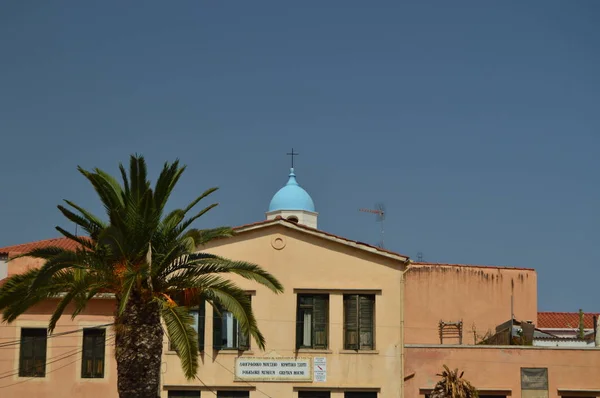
<point>472,266</point>
<point>322,234</point>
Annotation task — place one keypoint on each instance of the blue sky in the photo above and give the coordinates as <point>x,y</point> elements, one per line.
<point>476,123</point>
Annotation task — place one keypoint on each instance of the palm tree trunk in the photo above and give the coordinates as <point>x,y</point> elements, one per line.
<point>139,342</point>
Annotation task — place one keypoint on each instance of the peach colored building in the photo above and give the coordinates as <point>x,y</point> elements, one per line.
<point>355,321</point>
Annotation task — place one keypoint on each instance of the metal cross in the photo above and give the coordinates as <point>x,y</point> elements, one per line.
<point>292,154</point>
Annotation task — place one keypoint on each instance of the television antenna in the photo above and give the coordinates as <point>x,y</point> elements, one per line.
<point>379,212</point>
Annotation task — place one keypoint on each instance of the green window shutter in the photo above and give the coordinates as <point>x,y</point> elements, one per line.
<point>201,324</point>
<point>99,347</point>
<point>243,339</point>
<point>320,320</point>
<point>217,328</point>
<point>92,361</point>
<point>351,340</point>
<point>299,322</point>
<point>32,360</point>
<point>366,321</point>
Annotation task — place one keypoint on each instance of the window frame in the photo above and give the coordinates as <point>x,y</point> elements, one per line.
<point>242,343</point>
<point>200,325</point>
<point>96,334</point>
<point>313,308</point>
<point>367,299</point>
<point>36,333</point>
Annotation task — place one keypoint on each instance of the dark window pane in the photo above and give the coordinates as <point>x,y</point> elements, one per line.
<point>233,394</point>
<point>314,394</point>
<point>362,394</point>
<point>32,360</point>
<point>92,362</point>
<point>184,394</point>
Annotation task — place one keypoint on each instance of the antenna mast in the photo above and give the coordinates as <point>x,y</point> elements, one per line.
<point>379,211</point>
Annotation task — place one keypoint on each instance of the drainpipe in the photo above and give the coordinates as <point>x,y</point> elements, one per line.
<point>402,356</point>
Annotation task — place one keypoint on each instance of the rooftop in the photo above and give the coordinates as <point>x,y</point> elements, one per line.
<point>564,320</point>
<point>62,242</point>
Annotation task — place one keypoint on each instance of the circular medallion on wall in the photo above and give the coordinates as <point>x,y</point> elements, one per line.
<point>278,242</point>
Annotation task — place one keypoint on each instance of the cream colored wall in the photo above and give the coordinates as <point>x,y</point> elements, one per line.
<point>307,263</point>
<point>480,296</point>
<point>498,368</point>
<point>63,353</point>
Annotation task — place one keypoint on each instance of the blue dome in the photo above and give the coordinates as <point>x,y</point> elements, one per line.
<point>292,197</point>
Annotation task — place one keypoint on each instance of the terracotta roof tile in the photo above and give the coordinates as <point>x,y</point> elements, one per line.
<point>63,243</point>
<point>564,320</point>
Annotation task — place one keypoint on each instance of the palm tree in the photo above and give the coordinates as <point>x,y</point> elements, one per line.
<point>147,258</point>
<point>452,385</point>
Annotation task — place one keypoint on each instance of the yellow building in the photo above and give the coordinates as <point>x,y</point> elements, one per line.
<point>336,330</point>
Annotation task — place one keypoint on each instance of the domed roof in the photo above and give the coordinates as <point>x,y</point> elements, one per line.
<point>292,197</point>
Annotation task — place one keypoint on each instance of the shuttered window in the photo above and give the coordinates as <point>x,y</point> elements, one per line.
<point>92,362</point>
<point>233,394</point>
<point>184,394</point>
<point>227,333</point>
<point>32,359</point>
<point>359,321</point>
<point>312,319</point>
<point>198,325</point>
<point>314,394</point>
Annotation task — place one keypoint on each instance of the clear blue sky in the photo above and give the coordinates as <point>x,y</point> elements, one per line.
<point>477,123</point>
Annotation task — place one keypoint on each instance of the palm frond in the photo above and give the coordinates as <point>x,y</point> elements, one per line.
<point>200,264</point>
<point>167,180</point>
<point>203,236</point>
<point>182,336</point>
<point>235,300</point>
<point>127,287</point>
<point>42,253</point>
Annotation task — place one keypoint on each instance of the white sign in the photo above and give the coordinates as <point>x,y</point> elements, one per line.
<point>273,369</point>
<point>320,369</point>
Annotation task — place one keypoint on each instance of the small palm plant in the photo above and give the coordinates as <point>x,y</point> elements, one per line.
<point>452,385</point>
<point>149,260</point>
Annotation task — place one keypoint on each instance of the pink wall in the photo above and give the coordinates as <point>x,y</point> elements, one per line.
<point>498,368</point>
<point>63,369</point>
<point>480,296</point>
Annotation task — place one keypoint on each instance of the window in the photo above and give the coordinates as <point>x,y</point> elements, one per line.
<point>233,394</point>
<point>32,361</point>
<point>356,394</point>
<point>227,333</point>
<point>198,325</point>
<point>92,364</point>
<point>184,394</point>
<point>314,394</point>
<point>311,321</point>
<point>359,319</point>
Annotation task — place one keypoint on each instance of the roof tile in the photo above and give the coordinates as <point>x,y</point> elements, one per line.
<point>564,320</point>
<point>63,243</point>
